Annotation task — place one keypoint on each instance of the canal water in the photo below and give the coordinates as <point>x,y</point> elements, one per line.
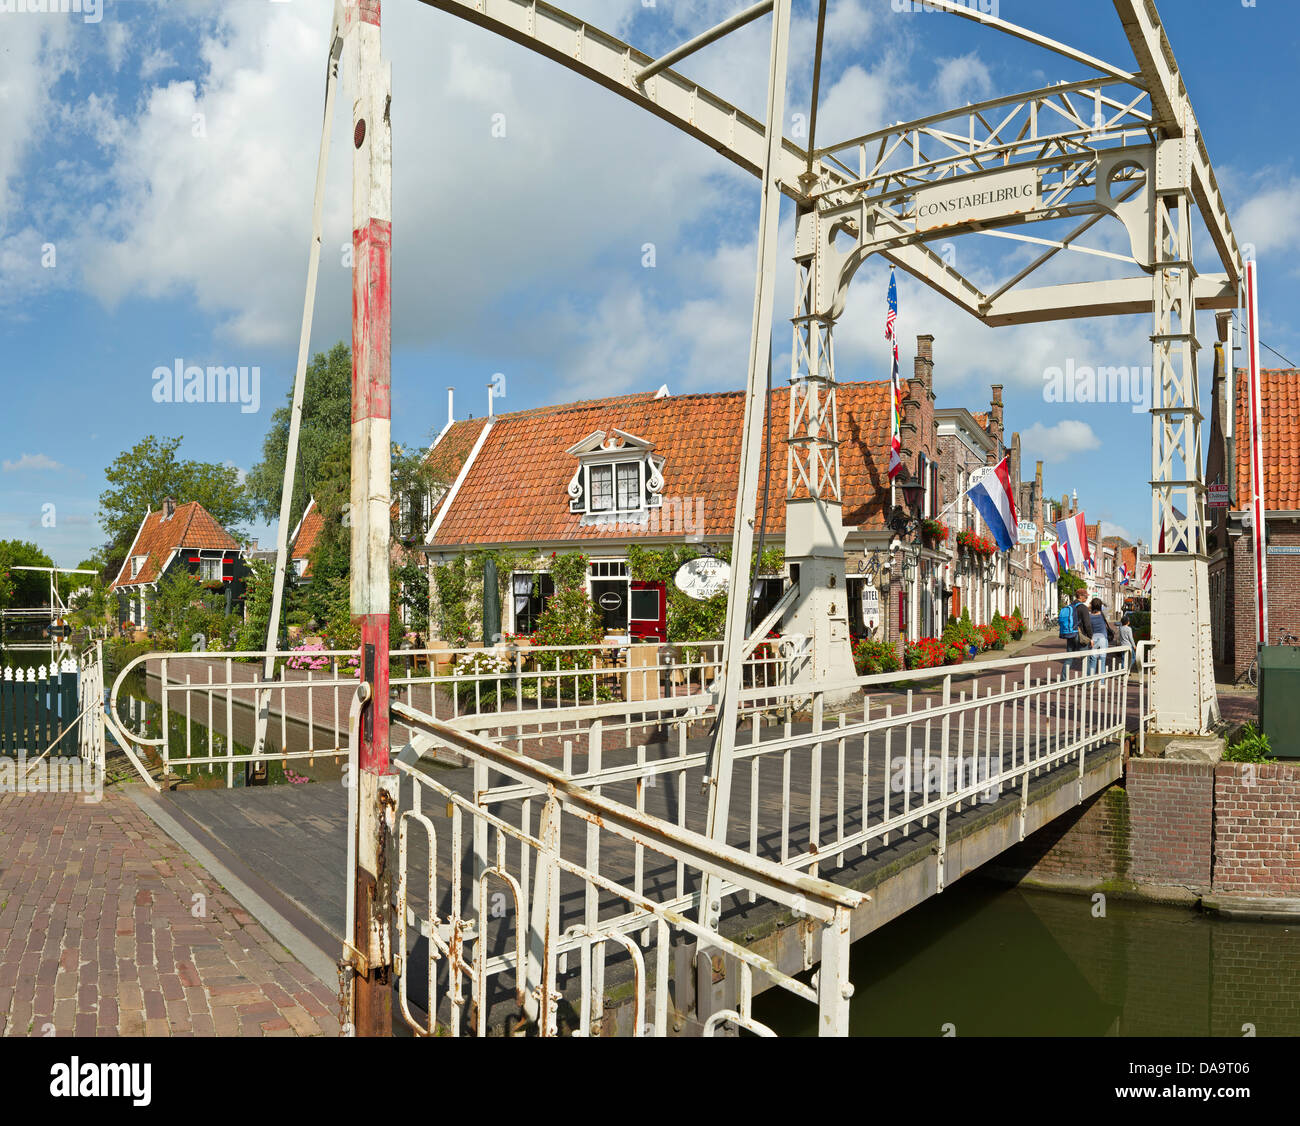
<point>986,959</point>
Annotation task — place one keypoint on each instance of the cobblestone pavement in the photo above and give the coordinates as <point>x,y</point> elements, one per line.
<point>108,927</point>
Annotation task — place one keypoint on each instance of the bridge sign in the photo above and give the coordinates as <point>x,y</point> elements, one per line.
<point>703,577</point>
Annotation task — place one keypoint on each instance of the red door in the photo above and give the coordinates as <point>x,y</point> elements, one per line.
<point>647,618</point>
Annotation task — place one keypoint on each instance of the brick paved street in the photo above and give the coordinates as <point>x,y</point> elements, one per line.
<point>109,927</point>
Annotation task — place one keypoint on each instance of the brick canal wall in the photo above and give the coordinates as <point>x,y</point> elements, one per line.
<point>1230,828</point>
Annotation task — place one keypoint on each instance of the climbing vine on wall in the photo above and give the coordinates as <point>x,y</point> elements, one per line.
<point>691,619</point>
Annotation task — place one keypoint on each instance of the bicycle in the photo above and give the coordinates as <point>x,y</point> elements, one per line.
<point>1284,637</point>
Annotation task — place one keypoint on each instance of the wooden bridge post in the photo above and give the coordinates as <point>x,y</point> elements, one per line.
<point>370,82</point>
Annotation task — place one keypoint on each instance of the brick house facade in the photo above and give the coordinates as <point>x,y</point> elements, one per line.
<point>1229,540</point>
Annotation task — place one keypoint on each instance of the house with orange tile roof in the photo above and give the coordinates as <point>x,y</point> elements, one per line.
<point>303,540</point>
<point>178,537</point>
<point>658,470</point>
<point>1229,540</point>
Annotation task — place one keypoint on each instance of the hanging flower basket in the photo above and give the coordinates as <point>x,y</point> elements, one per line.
<point>973,544</point>
<point>934,532</point>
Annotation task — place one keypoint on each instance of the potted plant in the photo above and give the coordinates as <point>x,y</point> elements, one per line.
<point>934,532</point>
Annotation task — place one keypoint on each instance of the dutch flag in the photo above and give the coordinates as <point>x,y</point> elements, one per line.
<point>1050,566</point>
<point>994,497</point>
<point>1123,574</point>
<point>1073,538</point>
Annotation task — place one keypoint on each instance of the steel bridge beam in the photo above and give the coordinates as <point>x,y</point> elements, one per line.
<point>734,134</point>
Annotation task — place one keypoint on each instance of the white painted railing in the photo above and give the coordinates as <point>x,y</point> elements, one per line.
<point>520,913</point>
<point>827,773</point>
<point>199,715</point>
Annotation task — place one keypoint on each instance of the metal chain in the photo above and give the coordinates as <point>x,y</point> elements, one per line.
<point>346,974</point>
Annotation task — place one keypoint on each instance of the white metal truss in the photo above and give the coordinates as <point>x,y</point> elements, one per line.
<point>1113,143</point>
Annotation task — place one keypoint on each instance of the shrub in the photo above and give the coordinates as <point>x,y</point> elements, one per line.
<point>962,634</point>
<point>871,657</point>
<point>488,679</point>
<point>989,638</point>
<point>1250,745</point>
<point>930,653</point>
<point>1140,621</point>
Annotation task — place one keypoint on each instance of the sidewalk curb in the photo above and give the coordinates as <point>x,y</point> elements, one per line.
<point>281,929</point>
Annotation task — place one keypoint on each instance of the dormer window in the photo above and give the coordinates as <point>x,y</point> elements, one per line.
<point>137,562</point>
<point>618,478</point>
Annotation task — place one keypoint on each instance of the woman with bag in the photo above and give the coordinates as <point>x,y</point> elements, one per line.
<point>1100,635</point>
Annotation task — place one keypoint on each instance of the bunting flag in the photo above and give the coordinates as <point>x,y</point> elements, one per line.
<point>1072,535</point>
<point>1051,564</point>
<point>994,497</point>
<point>896,385</point>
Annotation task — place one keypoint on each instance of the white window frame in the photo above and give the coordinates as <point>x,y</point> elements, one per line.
<point>208,563</point>
<point>613,467</point>
<point>137,564</point>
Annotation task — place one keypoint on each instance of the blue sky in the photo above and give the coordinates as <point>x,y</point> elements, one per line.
<point>156,171</point>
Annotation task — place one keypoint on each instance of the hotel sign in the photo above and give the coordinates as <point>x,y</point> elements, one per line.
<point>703,577</point>
<point>998,195</point>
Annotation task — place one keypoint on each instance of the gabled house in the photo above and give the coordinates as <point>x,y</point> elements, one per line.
<point>303,540</point>
<point>1229,539</point>
<point>176,537</point>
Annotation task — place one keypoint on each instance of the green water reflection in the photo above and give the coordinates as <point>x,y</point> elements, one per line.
<point>989,960</point>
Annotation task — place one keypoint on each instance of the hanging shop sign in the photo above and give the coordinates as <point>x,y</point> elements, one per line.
<point>870,605</point>
<point>1217,496</point>
<point>1026,531</point>
<point>703,577</point>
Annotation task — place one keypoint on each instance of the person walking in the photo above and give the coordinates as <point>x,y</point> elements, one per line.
<point>1098,632</point>
<point>1068,620</point>
<point>1126,638</point>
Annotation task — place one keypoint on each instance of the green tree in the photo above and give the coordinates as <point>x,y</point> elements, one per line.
<point>142,477</point>
<point>323,437</point>
<point>1068,583</point>
<point>183,615</point>
<point>23,588</point>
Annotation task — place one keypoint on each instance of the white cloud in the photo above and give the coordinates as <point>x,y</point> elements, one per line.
<point>31,461</point>
<point>1270,219</point>
<point>1110,529</point>
<point>1063,440</point>
<point>963,79</point>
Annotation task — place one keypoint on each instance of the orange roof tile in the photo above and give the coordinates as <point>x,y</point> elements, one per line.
<point>191,526</point>
<point>308,529</point>
<point>981,417</point>
<point>514,491</point>
<point>1279,398</point>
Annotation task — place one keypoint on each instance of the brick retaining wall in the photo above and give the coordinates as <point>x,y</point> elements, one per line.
<point>1233,828</point>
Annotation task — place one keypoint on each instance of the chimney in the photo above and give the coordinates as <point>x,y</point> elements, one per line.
<point>451,406</point>
<point>923,365</point>
<point>995,421</point>
<point>169,507</point>
<point>491,391</point>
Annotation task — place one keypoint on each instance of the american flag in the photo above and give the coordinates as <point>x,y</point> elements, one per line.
<point>896,405</point>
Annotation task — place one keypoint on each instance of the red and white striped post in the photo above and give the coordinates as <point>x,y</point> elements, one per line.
<point>1257,511</point>
<point>370,82</point>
